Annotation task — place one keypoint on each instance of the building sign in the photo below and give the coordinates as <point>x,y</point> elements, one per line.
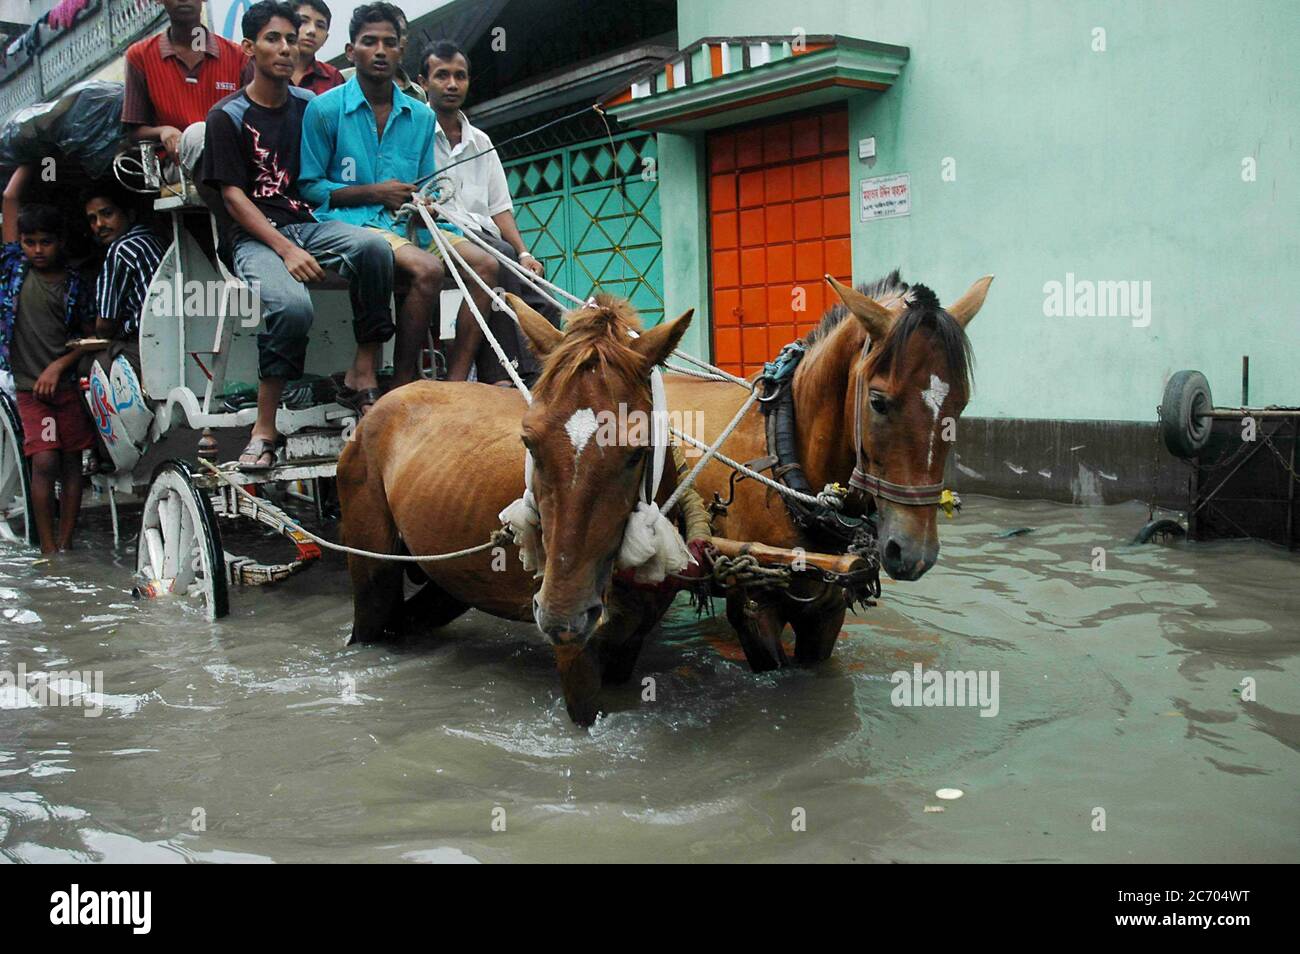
<point>886,197</point>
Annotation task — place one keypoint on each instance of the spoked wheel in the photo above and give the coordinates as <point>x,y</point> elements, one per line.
<point>16,525</point>
<point>179,550</point>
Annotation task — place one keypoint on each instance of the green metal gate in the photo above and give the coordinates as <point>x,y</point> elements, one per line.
<point>593,218</point>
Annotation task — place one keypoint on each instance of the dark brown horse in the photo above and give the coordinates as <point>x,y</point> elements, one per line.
<point>433,464</point>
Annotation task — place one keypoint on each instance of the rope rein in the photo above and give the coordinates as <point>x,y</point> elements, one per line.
<point>498,538</point>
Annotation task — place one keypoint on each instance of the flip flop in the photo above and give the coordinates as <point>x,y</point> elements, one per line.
<point>359,401</point>
<point>258,448</point>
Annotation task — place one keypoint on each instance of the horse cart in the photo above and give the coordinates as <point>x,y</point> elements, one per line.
<point>193,400</point>
<point>1243,463</point>
<point>162,431</point>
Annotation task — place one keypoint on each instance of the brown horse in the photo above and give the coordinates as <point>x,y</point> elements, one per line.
<point>433,464</point>
<point>912,383</point>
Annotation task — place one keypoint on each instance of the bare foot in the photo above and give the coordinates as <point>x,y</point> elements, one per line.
<point>360,382</point>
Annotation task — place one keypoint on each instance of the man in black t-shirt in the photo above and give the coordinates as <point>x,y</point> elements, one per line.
<point>251,158</point>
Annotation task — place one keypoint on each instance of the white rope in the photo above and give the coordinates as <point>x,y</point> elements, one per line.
<point>521,517</point>
<point>330,545</point>
<point>651,545</point>
<point>447,252</point>
<point>542,286</point>
<point>766,481</point>
<point>538,282</point>
<point>691,372</point>
<point>711,452</point>
<point>713,370</point>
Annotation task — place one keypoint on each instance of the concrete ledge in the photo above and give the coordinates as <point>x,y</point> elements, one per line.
<point>1083,462</point>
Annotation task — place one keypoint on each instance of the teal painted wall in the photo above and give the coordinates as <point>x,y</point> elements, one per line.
<point>1122,165</point>
<point>683,206</point>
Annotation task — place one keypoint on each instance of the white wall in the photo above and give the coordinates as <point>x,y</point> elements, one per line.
<point>225,15</point>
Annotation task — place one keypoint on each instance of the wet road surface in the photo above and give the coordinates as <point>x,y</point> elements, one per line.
<point>262,738</point>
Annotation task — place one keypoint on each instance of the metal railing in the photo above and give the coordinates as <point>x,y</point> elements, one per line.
<point>103,30</point>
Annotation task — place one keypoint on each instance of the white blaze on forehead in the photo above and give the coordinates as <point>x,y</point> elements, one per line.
<point>580,426</point>
<point>934,395</point>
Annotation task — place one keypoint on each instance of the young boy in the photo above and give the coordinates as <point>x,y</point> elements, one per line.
<point>364,145</point>
<point>310,73</point>
<point>42,305</point>
<point>251,157</point>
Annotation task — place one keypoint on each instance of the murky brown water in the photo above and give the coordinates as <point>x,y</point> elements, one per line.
<point>1118,690</point>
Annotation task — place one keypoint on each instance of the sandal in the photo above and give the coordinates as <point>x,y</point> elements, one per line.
<point>258,448</point>
<point>358,401</point>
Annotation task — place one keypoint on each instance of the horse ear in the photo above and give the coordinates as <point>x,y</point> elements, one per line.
<point>874,316</point>
<point>965,307</point>
<point>660,341</point>
<point>541,334</point>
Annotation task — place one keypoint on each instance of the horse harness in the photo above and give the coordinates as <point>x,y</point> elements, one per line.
<point>847,522</point>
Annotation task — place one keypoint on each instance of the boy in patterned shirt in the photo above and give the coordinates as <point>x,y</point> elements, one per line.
<point>42,306</point>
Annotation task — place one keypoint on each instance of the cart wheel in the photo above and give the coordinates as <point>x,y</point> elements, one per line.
<point>1165,529</point>
<point>16,525</point>
<point>1182,422</point>
<point>179,549</point>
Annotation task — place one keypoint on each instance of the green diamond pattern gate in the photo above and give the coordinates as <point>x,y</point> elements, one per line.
<point>593,218</point>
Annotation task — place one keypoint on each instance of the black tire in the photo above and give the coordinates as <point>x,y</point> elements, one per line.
<point>1183,423</point>
<point>1160,528</point>
<point>11,437</point>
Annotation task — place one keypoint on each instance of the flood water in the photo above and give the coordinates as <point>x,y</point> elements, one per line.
<point>1118,689</point>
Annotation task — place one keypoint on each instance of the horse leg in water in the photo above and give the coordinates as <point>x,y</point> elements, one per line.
<point>758,621</point>
<point>630,614</point>
<point>816,624</point>
<point>430,607</point>
<point>368,525</point>
<point>580,679</point>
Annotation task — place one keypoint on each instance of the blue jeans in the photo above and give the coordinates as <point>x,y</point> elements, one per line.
<point>362,257</point>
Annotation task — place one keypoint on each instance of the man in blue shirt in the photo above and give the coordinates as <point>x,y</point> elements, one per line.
<point>364,146</point>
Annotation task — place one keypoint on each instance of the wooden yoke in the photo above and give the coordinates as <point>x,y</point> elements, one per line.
<point>840,564</point>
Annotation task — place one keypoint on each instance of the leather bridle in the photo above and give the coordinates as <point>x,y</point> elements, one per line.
<point>909,495</point>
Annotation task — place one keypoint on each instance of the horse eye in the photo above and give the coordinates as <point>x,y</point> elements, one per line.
<point>635,457</point>
<point>879,402</point>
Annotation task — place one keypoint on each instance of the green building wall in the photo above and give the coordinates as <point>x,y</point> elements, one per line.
<point>1123,164</point>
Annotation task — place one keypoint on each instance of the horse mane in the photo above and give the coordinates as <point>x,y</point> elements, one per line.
<point>923,312</point>
<point>596,338</point>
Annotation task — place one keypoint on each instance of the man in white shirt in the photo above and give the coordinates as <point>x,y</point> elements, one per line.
<point>479,191</point>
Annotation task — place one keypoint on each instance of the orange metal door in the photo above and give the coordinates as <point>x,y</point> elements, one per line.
<point>778,222</point>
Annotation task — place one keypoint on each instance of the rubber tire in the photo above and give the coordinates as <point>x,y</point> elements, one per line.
<point>218,603</point>
<point>1187,397</point>
<point>1160,527</point>
<point>12,427</point>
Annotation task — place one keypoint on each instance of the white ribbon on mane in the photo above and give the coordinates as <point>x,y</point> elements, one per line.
<point>651,545</point>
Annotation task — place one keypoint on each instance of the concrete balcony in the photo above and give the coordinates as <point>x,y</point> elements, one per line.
<point>102,31</point>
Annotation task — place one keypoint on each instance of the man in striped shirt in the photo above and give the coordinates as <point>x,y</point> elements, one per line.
<point>133,255</point>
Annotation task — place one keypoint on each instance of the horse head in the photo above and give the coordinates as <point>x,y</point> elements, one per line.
<point>906,391</point>
<point>588,432</point>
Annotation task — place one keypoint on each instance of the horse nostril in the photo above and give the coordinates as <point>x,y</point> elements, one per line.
<point>893,552</point>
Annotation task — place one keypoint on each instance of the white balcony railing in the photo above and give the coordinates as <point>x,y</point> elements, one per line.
<point>106,28</point>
